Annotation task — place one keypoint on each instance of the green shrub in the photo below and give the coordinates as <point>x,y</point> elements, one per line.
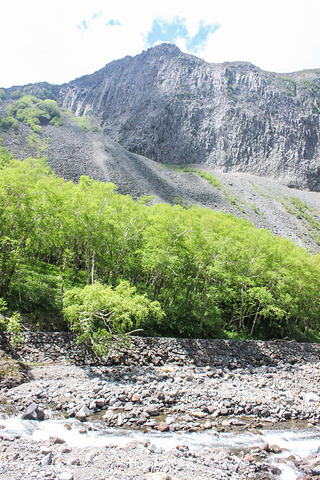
<point>35,112</point>
<point>8,122</point>
<point>42,90</point>
<point>98,311</point>
<point>5,157</point>
<point>10,325</point>
<point>15,94</point>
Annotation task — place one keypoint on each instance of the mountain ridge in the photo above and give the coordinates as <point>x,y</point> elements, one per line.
<point>176,108</point>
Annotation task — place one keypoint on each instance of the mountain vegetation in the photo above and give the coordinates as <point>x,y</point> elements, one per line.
<point>108,232</point>
<point>82,256</point>
<point>35,112</point>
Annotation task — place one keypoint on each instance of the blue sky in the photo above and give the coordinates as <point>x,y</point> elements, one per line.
<point>59,41</point>
<point>172,30</point>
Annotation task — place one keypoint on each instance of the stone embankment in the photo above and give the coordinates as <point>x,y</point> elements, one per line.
<point>233,354</point>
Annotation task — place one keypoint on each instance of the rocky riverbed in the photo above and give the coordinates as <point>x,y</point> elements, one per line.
<point>163,400</point>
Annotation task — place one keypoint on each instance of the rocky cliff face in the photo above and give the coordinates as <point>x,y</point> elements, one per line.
<point>175,108</point>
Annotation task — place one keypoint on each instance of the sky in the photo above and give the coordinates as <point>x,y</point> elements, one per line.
<point>61,40</point>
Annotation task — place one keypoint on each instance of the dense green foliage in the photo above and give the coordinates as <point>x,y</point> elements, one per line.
<point>98,312</point>
<point>5,156</point>
<point>211,273</point>
<point>42,90</point>
<point>8,122</point>
<point>16,94</point>
<point>35,112</point>
<point>11,324</point>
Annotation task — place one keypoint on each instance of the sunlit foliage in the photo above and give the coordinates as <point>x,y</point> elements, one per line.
<point>35,112</point>
<point>210,274</point>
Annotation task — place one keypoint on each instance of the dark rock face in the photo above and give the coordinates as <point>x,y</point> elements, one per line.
<point>176,108</point>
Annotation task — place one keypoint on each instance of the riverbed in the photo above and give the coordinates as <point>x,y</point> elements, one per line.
<point>52,437</point>
<point>162,423</point>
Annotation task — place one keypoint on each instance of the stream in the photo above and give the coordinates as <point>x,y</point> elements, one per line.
<point>296,438</point>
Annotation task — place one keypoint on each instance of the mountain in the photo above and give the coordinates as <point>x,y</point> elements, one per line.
<point>175,108</point>
<point>249,138</point>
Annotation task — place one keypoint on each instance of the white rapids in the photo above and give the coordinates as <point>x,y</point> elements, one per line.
<point>295,441</point>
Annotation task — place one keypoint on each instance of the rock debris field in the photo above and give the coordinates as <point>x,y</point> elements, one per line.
<point>162,402</point>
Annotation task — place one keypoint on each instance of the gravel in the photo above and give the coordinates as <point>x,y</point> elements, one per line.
<point>164,399</point>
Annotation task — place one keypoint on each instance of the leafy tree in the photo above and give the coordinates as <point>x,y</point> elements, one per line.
<point>52,112</point>
<point>10,325</point>
<point>211,273</point>
<point>42,90</point>
<point>15,94</point>
<point>5,156</point>
<point>98,312</point>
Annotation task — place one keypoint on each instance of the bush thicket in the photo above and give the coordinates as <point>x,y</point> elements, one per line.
<point>35,112</point>
<point>211,274</point>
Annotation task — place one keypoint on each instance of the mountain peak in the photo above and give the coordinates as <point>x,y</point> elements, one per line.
<point>165,48</point>
<point>162,50</point>
<point>174,107</point>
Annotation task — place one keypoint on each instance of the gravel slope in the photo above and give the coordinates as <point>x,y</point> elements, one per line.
<point>73,152</point>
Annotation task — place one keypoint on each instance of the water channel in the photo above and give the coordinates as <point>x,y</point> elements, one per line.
<point>294,438</point>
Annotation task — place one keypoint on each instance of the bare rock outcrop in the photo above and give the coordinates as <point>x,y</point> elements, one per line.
<point>176,108</point>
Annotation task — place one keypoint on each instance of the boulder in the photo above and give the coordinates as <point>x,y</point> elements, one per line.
<point>163,427</point>
<point>66,476</point>
<point>33,412</point>
<point>83,413</point>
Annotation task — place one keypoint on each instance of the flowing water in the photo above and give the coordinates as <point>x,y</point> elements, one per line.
<point>296,439</point>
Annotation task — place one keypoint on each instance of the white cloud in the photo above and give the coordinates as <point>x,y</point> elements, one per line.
<point>282,36</point>
<point>43,41</point>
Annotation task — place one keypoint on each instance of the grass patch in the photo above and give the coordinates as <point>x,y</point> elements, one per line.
<point>306,213</point>
<point>84,123</point>
<point>201,173</point>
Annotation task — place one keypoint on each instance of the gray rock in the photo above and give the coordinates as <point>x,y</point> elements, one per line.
<point>33,412</point>
<point>275,449</point>
<point>311,397</point>
<point>224,114</point>
<point>47,460</point>
<point>54,440</point>
<point>83,413</point>
<point>128,406</point>
<point>152,410</point>
<point>100,402</point>
<point>154,448</point>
